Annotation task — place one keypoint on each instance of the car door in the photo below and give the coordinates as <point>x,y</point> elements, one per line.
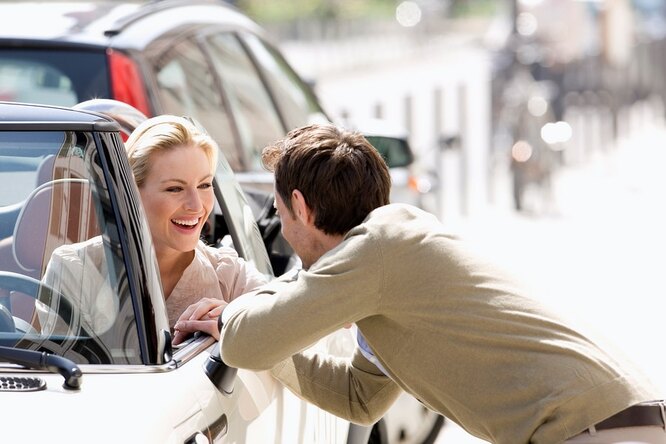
<point>78,281</point>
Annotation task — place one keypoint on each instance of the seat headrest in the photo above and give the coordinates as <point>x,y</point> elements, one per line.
<point>55,213</point>
<point>45,169</point>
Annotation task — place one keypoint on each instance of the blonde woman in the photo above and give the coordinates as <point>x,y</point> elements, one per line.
<point>173,162</point>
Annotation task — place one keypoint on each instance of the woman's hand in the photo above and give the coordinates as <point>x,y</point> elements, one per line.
<point>200,316</point>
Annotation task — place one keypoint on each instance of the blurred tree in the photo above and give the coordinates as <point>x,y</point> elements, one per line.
<point>466,8</point>
<point>270,11</point>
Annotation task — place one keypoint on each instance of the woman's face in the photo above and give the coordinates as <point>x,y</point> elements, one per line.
<point>177,195</point>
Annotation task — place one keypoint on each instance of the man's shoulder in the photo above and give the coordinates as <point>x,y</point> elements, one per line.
<point>394,222</point>
<point>398,212</point>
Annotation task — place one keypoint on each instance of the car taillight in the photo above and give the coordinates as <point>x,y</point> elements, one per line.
<point>126,82</point>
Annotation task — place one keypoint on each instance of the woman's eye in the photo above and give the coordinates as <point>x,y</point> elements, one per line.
<point>206,186</point>
<point>174,189</point>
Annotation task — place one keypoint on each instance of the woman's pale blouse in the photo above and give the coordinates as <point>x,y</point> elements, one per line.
<point>79,272</point>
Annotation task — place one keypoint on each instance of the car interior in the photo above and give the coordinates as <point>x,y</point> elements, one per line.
<point>59,209</point>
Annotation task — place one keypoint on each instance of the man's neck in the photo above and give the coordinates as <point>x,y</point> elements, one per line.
<point>322,245</point>
<point>329,241</point>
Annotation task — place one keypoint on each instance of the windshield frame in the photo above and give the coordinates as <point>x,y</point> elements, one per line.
<point>126,238</point>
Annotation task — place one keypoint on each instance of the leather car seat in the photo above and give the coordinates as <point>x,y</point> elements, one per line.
<point>57,212</point>
<point>43,174</point>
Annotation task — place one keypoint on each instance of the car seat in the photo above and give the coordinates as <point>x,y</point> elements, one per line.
<point>43,174</point>
<point>57,212</point>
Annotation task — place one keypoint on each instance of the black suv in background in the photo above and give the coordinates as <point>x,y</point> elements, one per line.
<point>197,58</point>
<point>200,58</point>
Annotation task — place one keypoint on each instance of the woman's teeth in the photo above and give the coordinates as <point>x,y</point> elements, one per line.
<point>187,223</point>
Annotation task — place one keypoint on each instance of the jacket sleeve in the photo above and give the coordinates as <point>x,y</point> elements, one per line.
<point>351,389</point>
<point>283,318</point>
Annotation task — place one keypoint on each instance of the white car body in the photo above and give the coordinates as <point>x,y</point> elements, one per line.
<point>113,406</point>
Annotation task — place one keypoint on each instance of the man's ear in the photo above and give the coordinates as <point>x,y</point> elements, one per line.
<point>300,208</point>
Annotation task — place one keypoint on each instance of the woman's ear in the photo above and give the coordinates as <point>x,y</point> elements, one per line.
<point>301,209</point>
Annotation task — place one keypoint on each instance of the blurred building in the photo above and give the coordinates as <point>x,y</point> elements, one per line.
<point>444,77</point>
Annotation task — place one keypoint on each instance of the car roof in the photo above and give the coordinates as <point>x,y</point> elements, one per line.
<point>114,24</point>
<point>23,116</point>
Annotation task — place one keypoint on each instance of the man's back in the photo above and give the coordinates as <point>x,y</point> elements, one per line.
<point>458,334</point>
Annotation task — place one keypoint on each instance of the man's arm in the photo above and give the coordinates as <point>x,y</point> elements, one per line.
<point>283,318</point>
<point>273,326</point>
<point>354,390</point>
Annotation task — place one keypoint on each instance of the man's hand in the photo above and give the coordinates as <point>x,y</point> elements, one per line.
<point>201,316</point>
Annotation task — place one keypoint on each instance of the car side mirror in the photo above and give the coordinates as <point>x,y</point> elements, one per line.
<point>395,150</point>
<point>219,373</point>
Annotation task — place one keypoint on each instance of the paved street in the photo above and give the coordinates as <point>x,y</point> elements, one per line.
<point>600,257</point>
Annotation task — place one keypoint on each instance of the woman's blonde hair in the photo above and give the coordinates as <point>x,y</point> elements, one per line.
<point>162,133</point>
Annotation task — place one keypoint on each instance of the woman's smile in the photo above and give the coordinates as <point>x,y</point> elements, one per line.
<point>186,224</point>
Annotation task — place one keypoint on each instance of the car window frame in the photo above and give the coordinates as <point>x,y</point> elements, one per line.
<point>275,110</point>
<point>135,243</point>
<point>157,49</point>
<point>282,60</point>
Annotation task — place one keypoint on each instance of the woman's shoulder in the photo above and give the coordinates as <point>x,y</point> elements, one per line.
<point>217,255</point>
<point>235,275</point>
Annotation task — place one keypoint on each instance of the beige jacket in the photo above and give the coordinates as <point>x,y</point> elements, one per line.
<point>455,332</point>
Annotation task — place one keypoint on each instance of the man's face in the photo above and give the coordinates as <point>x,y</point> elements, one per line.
<point>298,234</point>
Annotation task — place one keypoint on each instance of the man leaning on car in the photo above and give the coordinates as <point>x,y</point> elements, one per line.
<point>433,318</point>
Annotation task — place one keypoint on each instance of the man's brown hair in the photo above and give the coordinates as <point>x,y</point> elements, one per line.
<point>340,174</point>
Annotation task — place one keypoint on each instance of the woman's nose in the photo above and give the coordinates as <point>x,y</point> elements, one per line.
<point>193,200</point>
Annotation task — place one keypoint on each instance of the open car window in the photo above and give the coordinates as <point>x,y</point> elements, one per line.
<point>63,284</point>
<point>239,221</point>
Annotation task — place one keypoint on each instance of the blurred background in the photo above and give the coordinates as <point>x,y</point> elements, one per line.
<point>537,127</point>
<point>495,96</point>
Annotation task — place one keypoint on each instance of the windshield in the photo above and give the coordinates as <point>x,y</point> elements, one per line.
<point>62,280</point>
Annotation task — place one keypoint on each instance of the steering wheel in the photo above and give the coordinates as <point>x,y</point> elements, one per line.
<point>6,320</point>
<point>33,288</point>
<point>87,348</point>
